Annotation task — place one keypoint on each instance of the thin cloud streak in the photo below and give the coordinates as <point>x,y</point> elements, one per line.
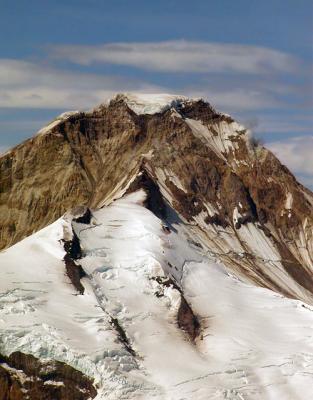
<point>27,85</point>
<point>235,99</point>
<point>181,56</point>
<point>296,153</point>
<point>274,124</point>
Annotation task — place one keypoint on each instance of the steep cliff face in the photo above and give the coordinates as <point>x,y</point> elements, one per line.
<point>239,202</point>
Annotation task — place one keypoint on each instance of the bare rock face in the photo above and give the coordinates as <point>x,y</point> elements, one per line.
<point>238,201</point>
<point>23,376</point>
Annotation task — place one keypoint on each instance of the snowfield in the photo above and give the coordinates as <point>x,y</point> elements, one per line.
<point>253,343</point>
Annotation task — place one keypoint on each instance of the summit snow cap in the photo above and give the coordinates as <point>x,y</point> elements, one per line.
<point>147,103</point>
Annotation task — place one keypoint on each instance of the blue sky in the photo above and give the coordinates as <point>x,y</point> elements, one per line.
<point>252,59</point>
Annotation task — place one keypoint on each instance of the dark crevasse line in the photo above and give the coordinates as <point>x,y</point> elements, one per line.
<point>123,338</point>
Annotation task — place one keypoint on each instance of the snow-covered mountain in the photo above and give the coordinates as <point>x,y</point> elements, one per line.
<point>171,258</point>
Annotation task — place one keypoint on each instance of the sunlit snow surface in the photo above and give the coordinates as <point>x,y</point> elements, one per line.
<point>144,103</point>
<point>254,344</point>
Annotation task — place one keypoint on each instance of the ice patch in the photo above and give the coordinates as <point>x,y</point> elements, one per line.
<point>289,201</point>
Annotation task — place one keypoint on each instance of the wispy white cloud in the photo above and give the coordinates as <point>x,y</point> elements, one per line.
<point>296,154</point>
<point>297,124</point>
<point>39,85</point>
<point>181,56</point>
<point>25,84</point>
<point>234,98</point>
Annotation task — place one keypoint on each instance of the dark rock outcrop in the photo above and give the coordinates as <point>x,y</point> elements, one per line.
<point>74,270</point>
<point>24,377</point>
<point>187,321</point>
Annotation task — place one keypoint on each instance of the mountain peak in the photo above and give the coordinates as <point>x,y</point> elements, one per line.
<point>139,103</point>
<point>166,233</point>
<point>200,161</point>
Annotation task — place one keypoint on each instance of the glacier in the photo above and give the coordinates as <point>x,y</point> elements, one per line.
<point>253,343</point>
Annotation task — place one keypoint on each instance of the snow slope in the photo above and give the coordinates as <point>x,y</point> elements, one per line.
<point>253,344</point>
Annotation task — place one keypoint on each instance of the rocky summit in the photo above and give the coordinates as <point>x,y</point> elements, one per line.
<point>153,249</point>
